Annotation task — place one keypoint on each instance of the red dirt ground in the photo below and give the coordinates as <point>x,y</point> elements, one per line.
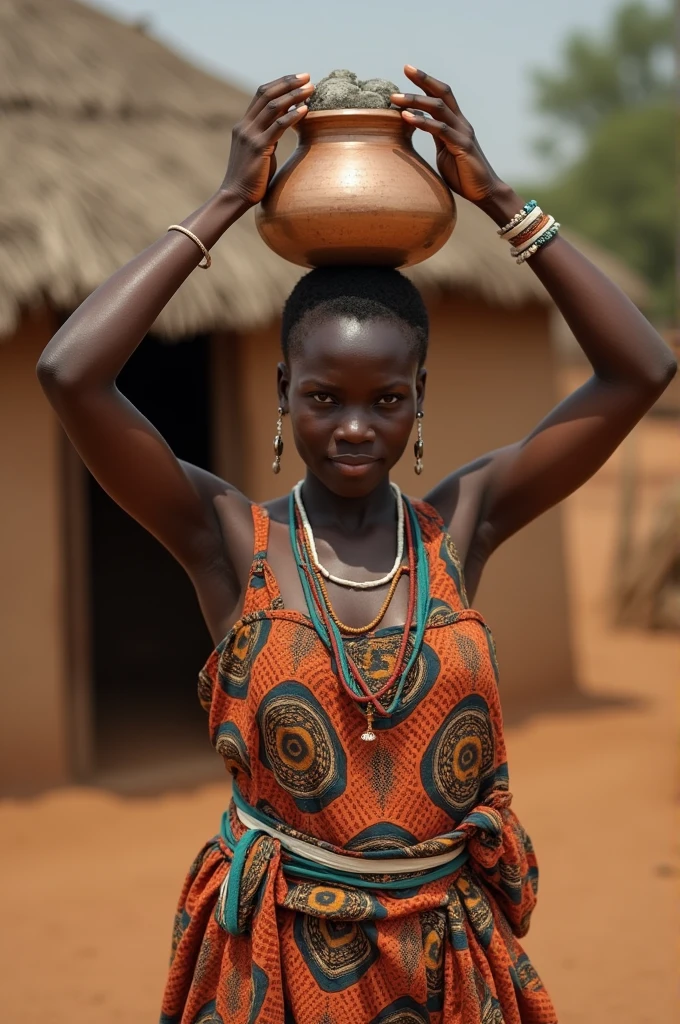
<point>90,880</point>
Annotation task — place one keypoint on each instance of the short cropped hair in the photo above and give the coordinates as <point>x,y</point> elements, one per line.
<point>363,293</point>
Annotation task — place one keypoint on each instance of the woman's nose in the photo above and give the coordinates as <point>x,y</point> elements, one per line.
<point>355,428</point>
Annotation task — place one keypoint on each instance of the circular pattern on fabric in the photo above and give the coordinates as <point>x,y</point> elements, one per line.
<point>348,903</point>
<point>403,1011</point>
<point>375,657</point>
<point>383,837</point>
<point>300,746</point>
<point>337,953</point>
<point>433,927</point>
<point>476,906</point>
<point>460,758</point>
<point>230,744</point>
<point>237,654</point>
<point>205,689</point>
<point>441,613</point>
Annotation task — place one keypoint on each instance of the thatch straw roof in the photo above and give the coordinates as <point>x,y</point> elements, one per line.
<point>106,137</point>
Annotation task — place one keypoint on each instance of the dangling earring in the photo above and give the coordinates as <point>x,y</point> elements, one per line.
<point>418,447</point>
<point>278,443</point>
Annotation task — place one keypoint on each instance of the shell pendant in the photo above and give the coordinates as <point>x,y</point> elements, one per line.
<point>369,735</point>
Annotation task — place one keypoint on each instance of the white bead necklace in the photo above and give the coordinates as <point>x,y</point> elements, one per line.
<point>354,584</point>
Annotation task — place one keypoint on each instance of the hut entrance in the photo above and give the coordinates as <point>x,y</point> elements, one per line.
<point>148,637</point>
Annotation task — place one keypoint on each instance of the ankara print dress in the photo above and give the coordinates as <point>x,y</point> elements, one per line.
<point>306,951</point>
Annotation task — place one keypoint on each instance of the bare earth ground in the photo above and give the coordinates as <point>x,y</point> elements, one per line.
<point>89,880</point>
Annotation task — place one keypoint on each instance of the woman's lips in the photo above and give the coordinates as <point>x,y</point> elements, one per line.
<point>353,465</point>
<point>354,460</point>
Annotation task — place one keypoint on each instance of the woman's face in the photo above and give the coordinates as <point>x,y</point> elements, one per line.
<point>352,390</point>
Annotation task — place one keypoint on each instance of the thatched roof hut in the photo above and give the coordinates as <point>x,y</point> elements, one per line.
<point>108,136</point>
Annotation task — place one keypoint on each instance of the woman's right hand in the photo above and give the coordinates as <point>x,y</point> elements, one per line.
<point>252,160</point>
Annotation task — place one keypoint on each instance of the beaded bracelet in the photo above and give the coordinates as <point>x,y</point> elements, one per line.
<point>522,215</point>
<point>531,236</point>
<point>207,258</point>
<point>523,226</point>
<point>539,243</point>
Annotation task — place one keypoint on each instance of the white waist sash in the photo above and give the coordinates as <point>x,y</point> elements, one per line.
<point>357,865</point>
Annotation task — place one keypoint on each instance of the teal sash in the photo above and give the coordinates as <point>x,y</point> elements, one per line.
<point>296,866</point>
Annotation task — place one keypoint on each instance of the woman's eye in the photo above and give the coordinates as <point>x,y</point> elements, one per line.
<point>388,400</point>
<point>322,398</point>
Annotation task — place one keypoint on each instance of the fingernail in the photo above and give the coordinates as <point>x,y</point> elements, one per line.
<point>409,67</point>
<point>305,74</point>
<point>407,113</point>
<point>398,96</point>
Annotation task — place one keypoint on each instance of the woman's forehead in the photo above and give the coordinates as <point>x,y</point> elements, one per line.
<point>347,343</point>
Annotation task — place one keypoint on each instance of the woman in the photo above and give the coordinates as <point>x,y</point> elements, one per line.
<point>371,868</point>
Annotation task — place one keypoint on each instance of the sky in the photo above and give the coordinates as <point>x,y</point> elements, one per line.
<point>485,49</point>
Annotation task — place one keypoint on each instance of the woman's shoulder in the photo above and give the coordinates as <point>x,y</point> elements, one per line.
<point>430,520</point>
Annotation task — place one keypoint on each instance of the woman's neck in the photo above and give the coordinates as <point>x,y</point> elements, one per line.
<point>347,515</point>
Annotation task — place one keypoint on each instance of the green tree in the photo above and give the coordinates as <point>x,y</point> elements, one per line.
<point>612,99</point>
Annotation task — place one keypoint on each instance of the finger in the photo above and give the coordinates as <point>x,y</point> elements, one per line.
<point>274,108</point>
<point>288,120</point>
<point>271,90</point>
<point>442,132</point>
<point>432,86</point>
<point>433,105</point>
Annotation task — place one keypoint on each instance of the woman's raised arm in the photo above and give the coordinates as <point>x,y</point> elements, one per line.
<point>632,365</point>
<point>79,367</point>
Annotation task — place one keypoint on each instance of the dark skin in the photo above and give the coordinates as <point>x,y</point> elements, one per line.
<point>351,390</point>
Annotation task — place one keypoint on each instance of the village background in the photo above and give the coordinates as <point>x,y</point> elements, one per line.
<point>110,130</point>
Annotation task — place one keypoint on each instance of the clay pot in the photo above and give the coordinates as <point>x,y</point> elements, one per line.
<point>355,191</point>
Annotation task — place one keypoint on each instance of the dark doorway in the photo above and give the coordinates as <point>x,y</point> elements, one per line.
<point>148,637</point>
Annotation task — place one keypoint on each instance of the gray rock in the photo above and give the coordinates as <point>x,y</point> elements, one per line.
<point>341,73</point>
<point>382,86</point>
<point>370,99</point>
<point>341,90</point>
<point>335,94</point>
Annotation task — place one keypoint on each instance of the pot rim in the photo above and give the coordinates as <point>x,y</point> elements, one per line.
<point>340,123</point>
<point>391,112</point>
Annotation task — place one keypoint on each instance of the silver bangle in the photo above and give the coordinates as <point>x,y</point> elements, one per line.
<point>207,258</point>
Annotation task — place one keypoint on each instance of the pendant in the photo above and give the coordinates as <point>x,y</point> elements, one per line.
<point>369,735</point>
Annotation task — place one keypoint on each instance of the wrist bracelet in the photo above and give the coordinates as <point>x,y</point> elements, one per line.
<point>520,229</point>
<point>207,258</point>
<point>540,228</point>
<point>539,243</point>
<point>526,209</point>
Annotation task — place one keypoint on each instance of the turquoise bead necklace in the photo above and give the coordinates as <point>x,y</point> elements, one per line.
<point>332,638</point>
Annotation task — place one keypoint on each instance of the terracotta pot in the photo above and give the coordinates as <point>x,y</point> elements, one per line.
<point>355,191</point>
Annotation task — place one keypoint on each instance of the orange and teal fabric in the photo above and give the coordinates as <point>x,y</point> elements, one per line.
<point>300,950</point>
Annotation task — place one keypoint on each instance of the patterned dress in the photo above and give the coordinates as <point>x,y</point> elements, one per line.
<point>443,952</point>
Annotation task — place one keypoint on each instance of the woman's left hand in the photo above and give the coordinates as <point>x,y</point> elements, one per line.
<point>460,160</point>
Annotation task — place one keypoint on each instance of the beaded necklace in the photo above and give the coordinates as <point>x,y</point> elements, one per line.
<point>369,627</point>
<point>353,584</point>
<point>349,675</point>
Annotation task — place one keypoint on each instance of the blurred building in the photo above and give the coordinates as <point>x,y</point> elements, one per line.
<point>107,137</point>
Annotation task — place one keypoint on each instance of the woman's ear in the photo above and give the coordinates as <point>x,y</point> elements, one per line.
<point>421,381</point>
<point>282,385</point>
